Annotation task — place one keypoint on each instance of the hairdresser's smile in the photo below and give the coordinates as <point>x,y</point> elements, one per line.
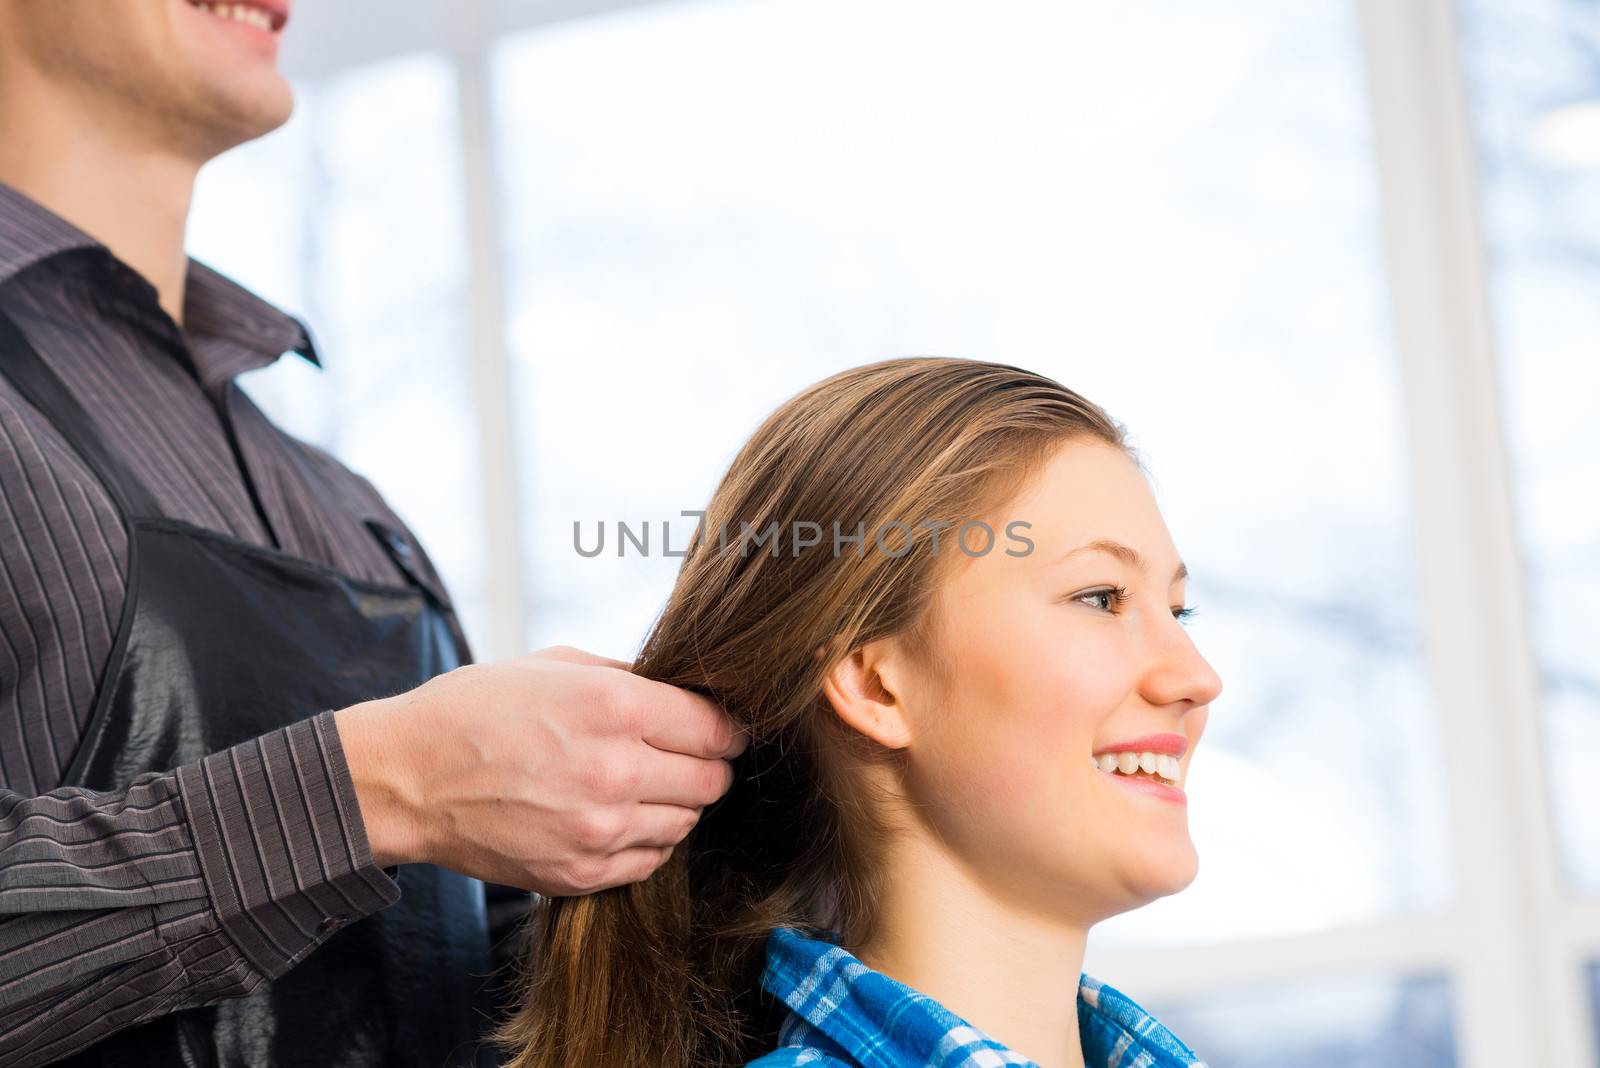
<point>257,24</point>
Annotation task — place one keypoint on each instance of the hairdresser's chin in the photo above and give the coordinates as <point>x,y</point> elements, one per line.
<point>186,81</point>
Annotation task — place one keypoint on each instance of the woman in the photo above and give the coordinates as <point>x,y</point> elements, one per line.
<point>960,760</point>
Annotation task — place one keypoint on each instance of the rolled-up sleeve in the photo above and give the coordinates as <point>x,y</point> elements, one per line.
<point>189,887</point>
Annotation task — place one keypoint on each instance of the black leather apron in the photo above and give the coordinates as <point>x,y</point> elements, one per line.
<point>222,641</point>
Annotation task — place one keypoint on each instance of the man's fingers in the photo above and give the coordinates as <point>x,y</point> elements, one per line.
<point>596,660</point>
<point>662,826</point>
<point>569,655</point>
<point>632,865</point>
<point>682,722</point>
<point>685,781</point>
<point>652,832</point>
<point>676,719</point>
<point>642,863</point>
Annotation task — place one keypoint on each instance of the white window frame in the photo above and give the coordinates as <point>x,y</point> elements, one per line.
<point>1517,942</point>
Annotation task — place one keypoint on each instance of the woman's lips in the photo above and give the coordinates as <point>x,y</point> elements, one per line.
<point>1171,744</point>
<point>1150,786</point>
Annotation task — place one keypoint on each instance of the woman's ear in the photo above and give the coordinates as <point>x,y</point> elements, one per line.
<point>861,688</point>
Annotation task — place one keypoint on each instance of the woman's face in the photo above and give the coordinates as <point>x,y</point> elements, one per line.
<point>1047,665</point>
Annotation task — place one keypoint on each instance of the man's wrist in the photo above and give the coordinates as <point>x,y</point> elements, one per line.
<point>255,811</point>
<point>388,812</point>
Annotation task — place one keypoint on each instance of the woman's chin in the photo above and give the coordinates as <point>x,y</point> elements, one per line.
<point>1154,877</point>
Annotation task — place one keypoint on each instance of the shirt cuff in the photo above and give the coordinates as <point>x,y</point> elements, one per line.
<point>282,847</point>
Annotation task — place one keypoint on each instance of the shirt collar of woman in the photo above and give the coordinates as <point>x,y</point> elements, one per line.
<point>840,1006</point>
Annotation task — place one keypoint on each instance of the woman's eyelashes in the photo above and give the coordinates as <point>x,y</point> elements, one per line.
<point>1114,596</point>
<point>1112,599</point>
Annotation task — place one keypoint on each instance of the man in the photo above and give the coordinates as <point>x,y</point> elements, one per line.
<point>251,788</point>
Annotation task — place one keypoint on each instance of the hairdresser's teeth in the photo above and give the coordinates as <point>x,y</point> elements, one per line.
<point>251,16</point>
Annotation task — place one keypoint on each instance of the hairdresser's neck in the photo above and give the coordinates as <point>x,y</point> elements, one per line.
<point>1010,972</point>
<point>88,168</point>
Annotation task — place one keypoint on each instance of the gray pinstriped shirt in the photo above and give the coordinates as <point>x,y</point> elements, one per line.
<point>108,916</point>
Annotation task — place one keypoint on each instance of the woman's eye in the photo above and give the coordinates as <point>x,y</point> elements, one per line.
<point>1105,600</point>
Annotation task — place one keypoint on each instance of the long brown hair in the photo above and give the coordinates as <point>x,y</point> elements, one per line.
<point>665,973</point>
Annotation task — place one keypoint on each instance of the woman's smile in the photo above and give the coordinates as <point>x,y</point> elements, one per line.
<point>1151,764</point>
<point>1147,783</point>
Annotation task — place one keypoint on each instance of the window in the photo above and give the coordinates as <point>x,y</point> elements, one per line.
<point>1534,70</point>
<point>1230,225</point>
<point>1329,1023</point>
<point>366,174</point>
<point>1147,195</point>
<point>1161,208</point>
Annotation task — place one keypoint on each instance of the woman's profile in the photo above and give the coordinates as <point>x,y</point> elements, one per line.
<point>941,598</point>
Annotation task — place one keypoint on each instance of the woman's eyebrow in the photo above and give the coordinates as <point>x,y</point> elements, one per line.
<point>1126,553</point>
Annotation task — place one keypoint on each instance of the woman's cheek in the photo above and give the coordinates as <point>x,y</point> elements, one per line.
<point>974,785</point>
<point>1008,777</point>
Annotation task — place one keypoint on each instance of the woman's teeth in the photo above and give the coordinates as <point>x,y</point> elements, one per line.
<point>253,16</point>
<point>1152,765</point>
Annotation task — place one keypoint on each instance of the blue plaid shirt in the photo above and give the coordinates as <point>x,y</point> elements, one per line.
<point>844,1014</point>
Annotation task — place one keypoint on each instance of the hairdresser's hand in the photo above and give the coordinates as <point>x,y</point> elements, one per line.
<point>559,772</point>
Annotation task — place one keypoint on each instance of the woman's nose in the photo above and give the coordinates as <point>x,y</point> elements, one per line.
<point>1179,672</point>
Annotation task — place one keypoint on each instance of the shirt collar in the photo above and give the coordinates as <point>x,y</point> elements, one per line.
<point>30,232</point>
<point>841,1006</point>
<point>233,329</point>
<point>241,330</point>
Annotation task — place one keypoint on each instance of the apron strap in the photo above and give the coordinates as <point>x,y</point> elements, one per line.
<point>41,387</point>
